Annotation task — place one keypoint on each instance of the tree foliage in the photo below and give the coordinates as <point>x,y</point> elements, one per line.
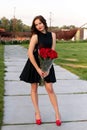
<point>13,25</point>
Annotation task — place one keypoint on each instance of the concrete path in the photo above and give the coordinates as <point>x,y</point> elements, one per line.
<point>18,109</point>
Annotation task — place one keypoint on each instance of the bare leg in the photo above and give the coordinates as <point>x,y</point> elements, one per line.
<point>53,99</point>
<point>34,97</point>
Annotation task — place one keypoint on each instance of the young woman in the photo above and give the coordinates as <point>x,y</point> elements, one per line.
<point>32,72</point>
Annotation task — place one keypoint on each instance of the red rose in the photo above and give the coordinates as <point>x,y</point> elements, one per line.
<point>47,53</point>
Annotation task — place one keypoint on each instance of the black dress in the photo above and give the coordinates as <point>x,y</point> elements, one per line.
<point>29,73</point>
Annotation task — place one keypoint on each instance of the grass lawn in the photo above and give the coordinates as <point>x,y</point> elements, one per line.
<point>1,82</point>
<point>73,57</point>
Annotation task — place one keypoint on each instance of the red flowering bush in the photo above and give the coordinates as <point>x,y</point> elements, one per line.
<point>48,53</point>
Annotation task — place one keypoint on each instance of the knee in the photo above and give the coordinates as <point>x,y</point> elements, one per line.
<point>50,90</point>
<point>34,88</point>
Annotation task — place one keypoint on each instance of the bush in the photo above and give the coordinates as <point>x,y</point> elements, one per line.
<point>14,42</point>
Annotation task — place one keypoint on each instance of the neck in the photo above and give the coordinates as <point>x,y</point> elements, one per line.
<point>44,31</point>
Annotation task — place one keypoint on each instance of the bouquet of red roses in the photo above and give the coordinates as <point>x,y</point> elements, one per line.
<point>46,56</point>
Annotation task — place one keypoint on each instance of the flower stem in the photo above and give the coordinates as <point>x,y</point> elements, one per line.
<point>41,82</point>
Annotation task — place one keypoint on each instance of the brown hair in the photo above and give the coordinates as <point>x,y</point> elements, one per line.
<point>33,28</point>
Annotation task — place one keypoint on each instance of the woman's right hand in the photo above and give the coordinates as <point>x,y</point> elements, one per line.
<point>40,72</point>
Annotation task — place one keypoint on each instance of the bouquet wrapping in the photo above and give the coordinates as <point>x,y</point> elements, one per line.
<point>46,56</point>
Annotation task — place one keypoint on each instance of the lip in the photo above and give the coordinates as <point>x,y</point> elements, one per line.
<point>40,28</point>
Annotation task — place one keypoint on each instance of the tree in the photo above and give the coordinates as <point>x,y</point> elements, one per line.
<point>13,25</point>
<point>5,23</point>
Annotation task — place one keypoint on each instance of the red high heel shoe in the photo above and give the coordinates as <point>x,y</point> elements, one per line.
<point>38,121</point>
<point>58,122</point>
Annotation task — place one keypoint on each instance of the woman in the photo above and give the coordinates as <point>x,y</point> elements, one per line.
<point>32,72</point>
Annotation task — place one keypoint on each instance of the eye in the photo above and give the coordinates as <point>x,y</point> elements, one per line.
<point>36,25</point>
<point>40,23</point>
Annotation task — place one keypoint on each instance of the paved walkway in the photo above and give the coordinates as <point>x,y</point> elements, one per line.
<point>18,109</point>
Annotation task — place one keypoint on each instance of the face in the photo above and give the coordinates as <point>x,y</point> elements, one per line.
<point>39,25</point>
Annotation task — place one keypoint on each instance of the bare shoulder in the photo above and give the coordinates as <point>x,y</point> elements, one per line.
<point>34,38</point>
<point>53,35</point>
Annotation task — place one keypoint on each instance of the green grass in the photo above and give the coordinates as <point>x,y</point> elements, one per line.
<point>73,56</point>
<point>1,82</point>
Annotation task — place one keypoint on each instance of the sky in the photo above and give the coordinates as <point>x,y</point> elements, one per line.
<point>61,12</point>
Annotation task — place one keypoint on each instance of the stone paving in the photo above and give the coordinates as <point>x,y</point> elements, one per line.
<point>18,109</point>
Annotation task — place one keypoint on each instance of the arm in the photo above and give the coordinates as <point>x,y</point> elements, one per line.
<point>33,42</point>
<point>54,41</point>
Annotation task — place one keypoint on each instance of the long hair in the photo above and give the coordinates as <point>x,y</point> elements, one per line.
<point>33,28</point>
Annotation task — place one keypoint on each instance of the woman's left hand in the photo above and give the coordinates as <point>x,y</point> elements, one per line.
<point>46,74</point>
